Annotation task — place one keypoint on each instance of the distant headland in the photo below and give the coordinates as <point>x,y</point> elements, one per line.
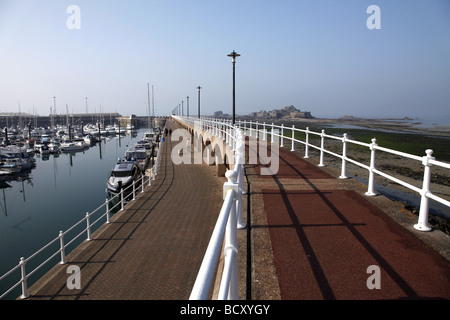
<point>289,112</point>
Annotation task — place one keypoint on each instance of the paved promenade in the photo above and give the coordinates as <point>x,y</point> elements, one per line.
<point>325,235</point>
<point>309,236</point>
<point>151,250</point>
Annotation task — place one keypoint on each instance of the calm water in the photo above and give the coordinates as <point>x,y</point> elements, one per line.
<point>53,197</point>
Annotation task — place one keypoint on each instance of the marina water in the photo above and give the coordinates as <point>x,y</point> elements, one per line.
<point>55,195</point>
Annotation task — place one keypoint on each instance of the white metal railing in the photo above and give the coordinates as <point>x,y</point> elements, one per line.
<point>129,192</point>
<point>229,220</point>
<point>269,132</point>
<point>277,131</point>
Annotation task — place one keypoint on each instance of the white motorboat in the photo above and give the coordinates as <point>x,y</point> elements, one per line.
<point>89,139</point>
<point>11,165</point>
<point>71,147</point>
<point>23,154</point>
<point>122,175</point>
<point>140,155</point>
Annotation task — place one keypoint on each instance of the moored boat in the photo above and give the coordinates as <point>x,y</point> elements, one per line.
<point>122,175</point>
<point>71,147</point>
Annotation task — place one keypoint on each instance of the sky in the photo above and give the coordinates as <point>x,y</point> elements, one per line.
<point>317,55</point>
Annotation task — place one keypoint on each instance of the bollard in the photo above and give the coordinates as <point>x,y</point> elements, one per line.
<point>370,190</point>
<point>422,223</point>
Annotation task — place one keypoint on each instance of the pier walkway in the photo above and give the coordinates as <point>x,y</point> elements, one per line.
<point>152,249</point>
<point>309,235</point>
<point>328,239</point>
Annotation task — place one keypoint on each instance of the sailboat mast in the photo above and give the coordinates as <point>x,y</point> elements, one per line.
<point>148,102</point>
<point>153,107</point>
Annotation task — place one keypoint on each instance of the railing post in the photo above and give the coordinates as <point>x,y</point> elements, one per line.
<point>61,246</point>
<point>240,223</point>
<point>370,187</point>
<point>229,287</point>
<point>307,143</point>
<point>422,223</point>
<point>142,182</point>
<point>293,137</point>
<point>134,190</point>
<point>282,135</point>
<point>264,131</point>
<point>121,198</point>
<point>322,137</point>
<point>23,279</point>
<point>88,228</point>
<point>226,134</point>
<point>271,134</point>
<point>234,137</point>
<point>344,156</point>
<point>107,210</point>
<point>256,131</point>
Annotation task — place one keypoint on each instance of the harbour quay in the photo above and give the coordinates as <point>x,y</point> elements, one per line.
<point>308,235</point>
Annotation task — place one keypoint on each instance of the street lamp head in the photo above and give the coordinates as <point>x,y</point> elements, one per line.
<point>199,88</point>
<point>233,56</point>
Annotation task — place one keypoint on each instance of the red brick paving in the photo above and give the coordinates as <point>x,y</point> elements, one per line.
<point>154,248</point>
<point>324,240</point>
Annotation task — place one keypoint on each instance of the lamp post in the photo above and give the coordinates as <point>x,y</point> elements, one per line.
<point>187,106</point>
<point>199,101</point>
<point>233,56</point>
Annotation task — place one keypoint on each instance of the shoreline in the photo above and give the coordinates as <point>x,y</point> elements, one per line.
<point>405,125</point>
<point>393,125</point>
<point>410,171</point>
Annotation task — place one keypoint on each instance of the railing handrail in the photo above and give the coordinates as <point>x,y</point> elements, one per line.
<point>427,161</point>
<point>23,281</point>
<point>257,129</point>
<point>229,219</point>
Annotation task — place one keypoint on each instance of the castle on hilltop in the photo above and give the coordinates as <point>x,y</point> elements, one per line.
<point>290,112</point>
<point>286,112</point>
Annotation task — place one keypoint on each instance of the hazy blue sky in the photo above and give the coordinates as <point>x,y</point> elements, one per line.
<point>317,55</point>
